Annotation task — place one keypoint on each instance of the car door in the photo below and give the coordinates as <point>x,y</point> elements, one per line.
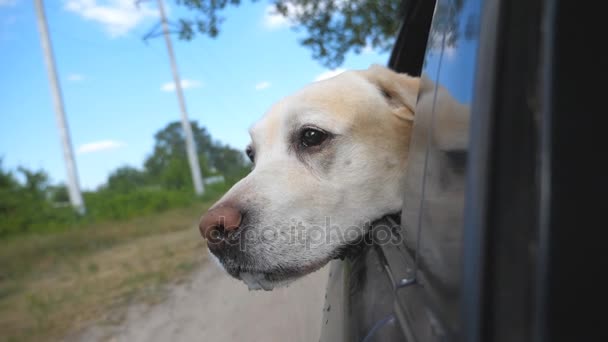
<point>498,238</point>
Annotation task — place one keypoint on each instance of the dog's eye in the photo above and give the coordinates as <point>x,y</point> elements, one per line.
<point>312,137</point>
<point>250,153</point>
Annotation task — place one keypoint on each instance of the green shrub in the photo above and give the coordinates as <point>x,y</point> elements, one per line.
<point>20,213</point>
<point>34,205</point>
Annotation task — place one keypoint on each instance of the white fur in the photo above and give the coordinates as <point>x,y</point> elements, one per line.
<point>354,180</point>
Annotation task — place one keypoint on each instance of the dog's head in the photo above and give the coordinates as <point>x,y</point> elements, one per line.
<point>328,161</point>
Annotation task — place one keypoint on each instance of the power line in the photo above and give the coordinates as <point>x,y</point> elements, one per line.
<point>190,146</point>
<point>68,154</point>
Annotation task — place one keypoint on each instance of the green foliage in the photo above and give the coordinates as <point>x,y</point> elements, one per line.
<point>58,193</point>
<point>105,204</point>
<point>333,27</point>
<point>35,205</point>
<point>169,165</point>
<point>35,182</point>
<point>170,144</point>
<point>125,179</point>
<point>25,207</point>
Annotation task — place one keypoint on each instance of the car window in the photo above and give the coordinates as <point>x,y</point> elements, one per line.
<point>432,216</point>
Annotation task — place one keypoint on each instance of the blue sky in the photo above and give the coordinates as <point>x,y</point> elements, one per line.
<point>117,90</point>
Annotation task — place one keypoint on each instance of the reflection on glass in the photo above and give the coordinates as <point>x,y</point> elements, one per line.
<point>432,217</point>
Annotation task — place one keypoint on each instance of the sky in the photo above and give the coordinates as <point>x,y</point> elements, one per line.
<point>118,90</point>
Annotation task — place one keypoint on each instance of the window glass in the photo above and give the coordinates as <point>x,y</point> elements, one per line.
<point>432,216</point>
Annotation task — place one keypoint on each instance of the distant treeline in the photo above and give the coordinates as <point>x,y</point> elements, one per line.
<point>30,203</point>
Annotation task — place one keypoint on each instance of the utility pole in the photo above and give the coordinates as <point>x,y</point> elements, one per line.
<point>190,146</point>
<point>64,133</point>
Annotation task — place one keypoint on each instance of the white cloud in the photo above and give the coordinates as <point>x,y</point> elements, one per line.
<point>98,146</point>
<point>262,85</point>
<point>274,20</point>
<point>8,3</point>
<point>186,84</point>
<point>75,77</point>
<point>329,74</point>
<point>449,51</point>
<point>118,17</point>
<point>367,49</point>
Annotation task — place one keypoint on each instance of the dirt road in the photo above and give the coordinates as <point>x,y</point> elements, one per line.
<point>214,307</point>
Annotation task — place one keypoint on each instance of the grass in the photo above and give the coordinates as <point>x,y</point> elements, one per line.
<point>51,284</point>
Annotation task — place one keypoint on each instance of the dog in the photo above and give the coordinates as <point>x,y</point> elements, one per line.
<point>327,161</point>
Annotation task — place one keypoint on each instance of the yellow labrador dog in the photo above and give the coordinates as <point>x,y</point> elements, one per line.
<point>328,160</point>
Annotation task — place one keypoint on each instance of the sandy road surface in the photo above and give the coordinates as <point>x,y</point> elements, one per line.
<point>214,307</point>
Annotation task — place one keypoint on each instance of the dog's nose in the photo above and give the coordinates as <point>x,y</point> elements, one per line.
<point>218,221</point>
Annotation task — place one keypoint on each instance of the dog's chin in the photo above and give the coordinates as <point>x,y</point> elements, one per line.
<point>265,281</point>
<point>258,277</point>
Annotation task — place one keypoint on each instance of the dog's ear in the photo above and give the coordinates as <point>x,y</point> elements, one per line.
<point>400,90</point>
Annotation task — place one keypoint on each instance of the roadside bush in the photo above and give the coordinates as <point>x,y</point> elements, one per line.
<point>29,203</point>
<point>22,212</point>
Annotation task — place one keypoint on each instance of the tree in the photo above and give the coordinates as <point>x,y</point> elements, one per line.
<point>126,179</point>
<point>333,27</point>
<point>8,188</point>
<point>168,165</point>
<point>58,194</point>
<point>170,144</point>
<point>7,180</point>
<point>36,182</point>
<point>23,203</point>
<point>229,162</point>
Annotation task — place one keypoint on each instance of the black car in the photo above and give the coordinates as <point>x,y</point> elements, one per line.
<point>499,236</point>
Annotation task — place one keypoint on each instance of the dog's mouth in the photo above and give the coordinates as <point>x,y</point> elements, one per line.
<point>258,275</point>
<point>269,279</point>
<point>265,279</point>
